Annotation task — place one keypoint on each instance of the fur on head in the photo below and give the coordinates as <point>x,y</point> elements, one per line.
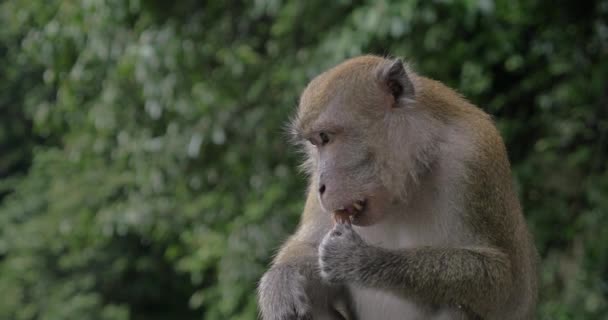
<point>365,135</point>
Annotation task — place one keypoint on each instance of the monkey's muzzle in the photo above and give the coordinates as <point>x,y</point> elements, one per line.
<point>348,213</point>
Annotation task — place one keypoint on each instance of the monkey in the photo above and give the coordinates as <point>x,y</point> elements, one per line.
<point>437,232</point>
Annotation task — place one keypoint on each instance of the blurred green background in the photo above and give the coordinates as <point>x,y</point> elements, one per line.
<point>145,172</point>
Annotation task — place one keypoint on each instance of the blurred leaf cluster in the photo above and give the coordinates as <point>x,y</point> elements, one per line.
<point>144,169</point>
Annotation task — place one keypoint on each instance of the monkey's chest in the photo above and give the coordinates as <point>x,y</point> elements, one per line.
<point>399,235</point>
<point>370,304</point>
<point>375,304</point>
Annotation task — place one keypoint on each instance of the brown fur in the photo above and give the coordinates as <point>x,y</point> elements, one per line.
<point>444,235</point>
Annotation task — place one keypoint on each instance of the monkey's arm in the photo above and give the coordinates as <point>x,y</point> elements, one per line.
<point>292,287</point>
<point>282,291</point>
<point>461,276</point>
<point>475,278</point>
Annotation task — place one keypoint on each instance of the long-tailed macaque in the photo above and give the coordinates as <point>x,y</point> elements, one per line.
<point>436,230</point>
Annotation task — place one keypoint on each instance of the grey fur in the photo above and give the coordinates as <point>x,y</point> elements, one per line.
<point>289,292</point>
<point>442,235</point>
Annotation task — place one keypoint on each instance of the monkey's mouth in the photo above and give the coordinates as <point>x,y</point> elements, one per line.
<point>353,210</point>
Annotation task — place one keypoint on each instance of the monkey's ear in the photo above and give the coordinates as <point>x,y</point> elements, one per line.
<point>395,77</point>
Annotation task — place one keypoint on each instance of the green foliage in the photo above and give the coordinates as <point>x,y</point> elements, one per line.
<point>145,173</point>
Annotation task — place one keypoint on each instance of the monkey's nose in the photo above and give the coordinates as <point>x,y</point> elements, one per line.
<point>322,189</point>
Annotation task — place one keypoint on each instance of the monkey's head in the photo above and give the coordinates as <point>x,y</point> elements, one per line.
<point>365,136</point>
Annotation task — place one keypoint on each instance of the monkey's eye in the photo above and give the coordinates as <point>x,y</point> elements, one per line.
<point>324,137</point>
<point>320,140</point>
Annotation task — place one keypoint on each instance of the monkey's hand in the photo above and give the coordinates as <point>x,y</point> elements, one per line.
<point>282,294</point>
<point>340,254</point>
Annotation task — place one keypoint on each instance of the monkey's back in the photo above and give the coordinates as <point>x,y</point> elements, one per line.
<point>494,208</point>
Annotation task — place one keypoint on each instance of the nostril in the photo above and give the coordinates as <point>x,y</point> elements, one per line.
<point>322,189</point>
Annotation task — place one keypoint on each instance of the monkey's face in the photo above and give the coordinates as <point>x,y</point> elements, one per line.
<point>344,169</point>
<point>343,120</point>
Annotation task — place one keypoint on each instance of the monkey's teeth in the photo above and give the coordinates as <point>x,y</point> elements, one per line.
<point>358,206</point>
<point>341,209</point>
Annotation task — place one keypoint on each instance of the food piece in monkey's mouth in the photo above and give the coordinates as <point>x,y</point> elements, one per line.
<point>347,214</point>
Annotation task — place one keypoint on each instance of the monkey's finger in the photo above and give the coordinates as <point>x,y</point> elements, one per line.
<point>341,228</point>
<point>336,231</point>
<point>299,316</point>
